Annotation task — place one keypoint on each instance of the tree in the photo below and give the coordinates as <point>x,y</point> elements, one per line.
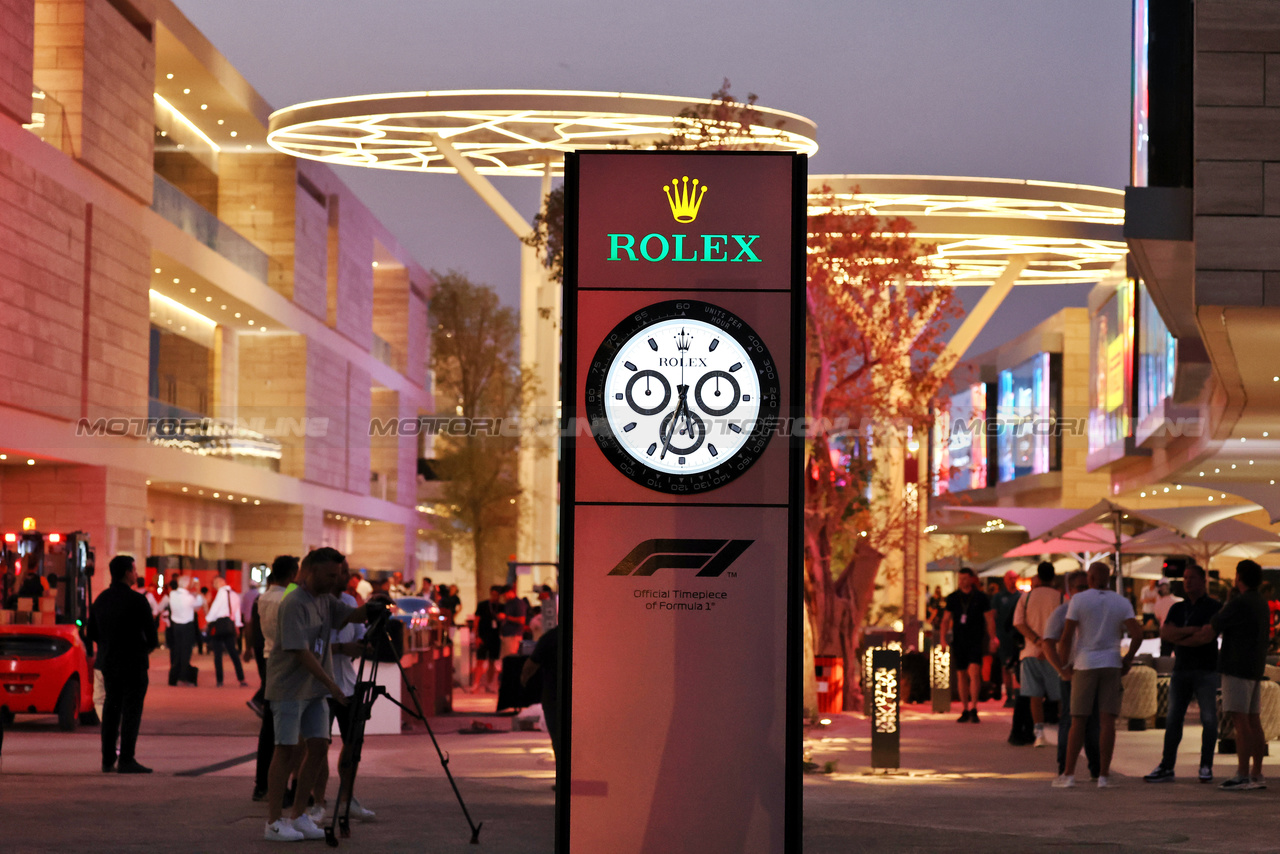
<point>477,374</point>
<point>876,320</point>
<point>724,124</point>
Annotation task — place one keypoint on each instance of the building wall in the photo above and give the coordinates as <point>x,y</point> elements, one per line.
<point>42,232</point>
<point>17,54</point>
<point>273,385</point>
<point>101,68</point>
<point>78,246</point>
<point>119,329</point>
<point>311,254</point>
<point>1237,150</point>
<point>391,311</point>
<point>385,449</point>
<point>359,402</point>
<point>349,304</point>
<point>107,503</point>
<point>264,532</point>
<point>188,520</point>
<point>418,348</point>
<point>381,546</point>
<point>327,381</point>
<point>256,197</point>
<point>1080,487</point>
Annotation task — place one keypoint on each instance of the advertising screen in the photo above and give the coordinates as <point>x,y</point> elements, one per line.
<point>1025,420</point>
<point>960,443</point>
<point>1157,361</point>
<point>1111,374</point>
<point>1141,123</point>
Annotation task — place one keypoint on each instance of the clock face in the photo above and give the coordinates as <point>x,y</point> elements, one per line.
<point>682,396</point>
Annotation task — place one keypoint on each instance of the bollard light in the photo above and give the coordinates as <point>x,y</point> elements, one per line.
<point>886,666</point>
<point>940,668</point>
<point>940,679</point>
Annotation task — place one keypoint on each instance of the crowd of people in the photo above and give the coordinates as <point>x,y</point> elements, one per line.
<point>1061,645</point>
<point>305,634</point>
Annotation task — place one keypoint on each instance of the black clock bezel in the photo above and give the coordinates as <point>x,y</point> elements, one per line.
<point>734,465</point>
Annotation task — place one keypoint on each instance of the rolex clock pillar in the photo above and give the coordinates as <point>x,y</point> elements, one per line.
<point>681,503</point>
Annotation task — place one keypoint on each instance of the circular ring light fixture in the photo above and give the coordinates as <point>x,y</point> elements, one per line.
<point>502,132</point>
<point>1068,233</point>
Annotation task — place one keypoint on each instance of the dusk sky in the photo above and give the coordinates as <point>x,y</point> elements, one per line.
<point>1001,88</point>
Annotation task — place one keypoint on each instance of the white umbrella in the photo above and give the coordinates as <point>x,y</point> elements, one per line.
<point>1023,566</point>
<point>1228,538</point>
<point>1265,494</point>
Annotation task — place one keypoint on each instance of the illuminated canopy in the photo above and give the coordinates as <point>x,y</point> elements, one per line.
<point>1066,232</point>
<point>502,132</point>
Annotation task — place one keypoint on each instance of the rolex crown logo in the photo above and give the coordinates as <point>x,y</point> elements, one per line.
<point>684,199</point>
<point>683,342</point>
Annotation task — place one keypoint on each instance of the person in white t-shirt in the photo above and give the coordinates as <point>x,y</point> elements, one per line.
<point>363,588</point>
<point>1096,621</point>
<point>1038,680</point>
<point>224,622</point>
<point>182,605</point>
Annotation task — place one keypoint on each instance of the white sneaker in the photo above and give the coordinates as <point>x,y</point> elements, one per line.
<point>282,830</point>
<point>1065,782</point>
<point>360,811</point>
<point>316,813</point>
<point>304,825</point>
<point>1041,741</point>
<point>1106,783</point>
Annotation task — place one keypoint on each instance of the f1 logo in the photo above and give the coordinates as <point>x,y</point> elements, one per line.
<point>709,557</point>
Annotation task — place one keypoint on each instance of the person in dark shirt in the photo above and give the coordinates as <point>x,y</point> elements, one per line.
<point>1244,623</point>
<point>449,603</point>
<point>1003,603</point>
<point>968,613</point>
<point>546,659</point>
<point>120,624</point>
<point>512,619</point>
<point>486,641</point>
<point>1195,674</point>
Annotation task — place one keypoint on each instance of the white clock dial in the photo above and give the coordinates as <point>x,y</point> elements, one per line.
<point>682,396</point>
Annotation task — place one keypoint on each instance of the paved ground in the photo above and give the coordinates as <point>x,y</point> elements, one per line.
<point>961,788</point>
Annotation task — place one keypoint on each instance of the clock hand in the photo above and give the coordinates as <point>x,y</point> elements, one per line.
<point>681,406</point>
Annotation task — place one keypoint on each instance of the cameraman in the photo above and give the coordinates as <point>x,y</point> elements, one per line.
<point>297,682</point>
<point>347,643</point>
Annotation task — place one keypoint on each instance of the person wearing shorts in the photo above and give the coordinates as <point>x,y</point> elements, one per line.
<point>972,624</point>
<point>1245,624</point>
<point>298,681</point>
<point>1038,679</point>
<point>1096,620</point>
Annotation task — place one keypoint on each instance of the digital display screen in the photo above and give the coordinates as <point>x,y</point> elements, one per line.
<point>1141,130</point>
<point>1025,420</point>
<point>960,443</point>
<point>1111,372</point>
<point>1157,361</point>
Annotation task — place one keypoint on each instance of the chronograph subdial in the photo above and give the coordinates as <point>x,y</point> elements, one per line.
<point>682,426</point>
<point>717,393</point>
<point>648,392</point>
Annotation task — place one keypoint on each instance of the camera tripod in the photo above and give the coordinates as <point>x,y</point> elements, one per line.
<point>358,712</point>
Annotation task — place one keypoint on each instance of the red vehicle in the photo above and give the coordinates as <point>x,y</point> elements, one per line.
<point>46,669</point>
